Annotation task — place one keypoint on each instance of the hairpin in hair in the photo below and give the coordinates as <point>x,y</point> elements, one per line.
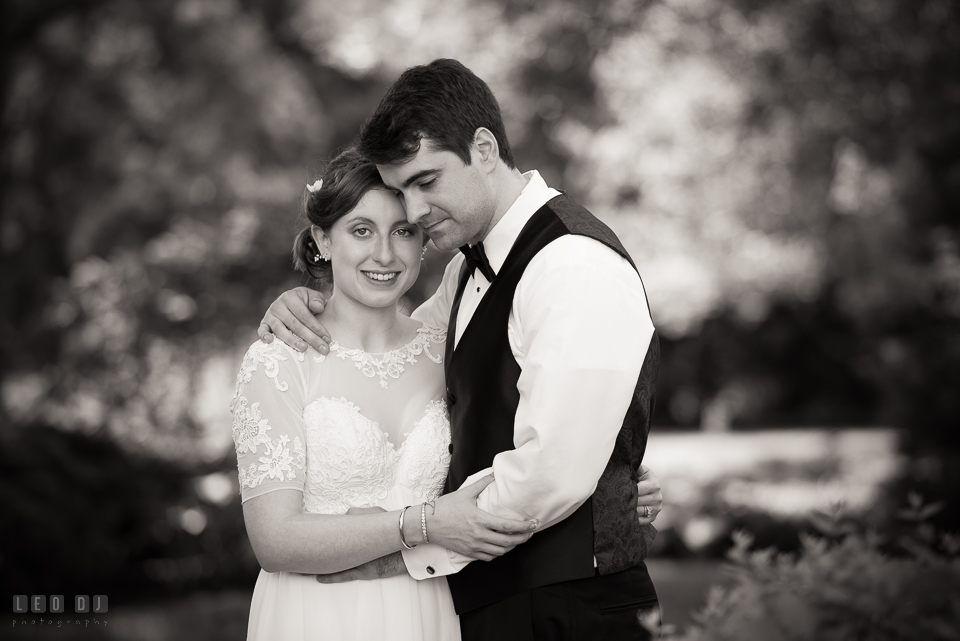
<point>315,187</point>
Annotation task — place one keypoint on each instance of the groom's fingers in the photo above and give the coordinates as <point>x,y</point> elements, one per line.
<point>648,487</point>
<point>302,322</point>
<point>654,500</point>
<point>290,317</point>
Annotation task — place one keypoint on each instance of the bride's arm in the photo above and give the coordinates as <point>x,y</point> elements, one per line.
<point>286,540</point>
<point>269,436</point>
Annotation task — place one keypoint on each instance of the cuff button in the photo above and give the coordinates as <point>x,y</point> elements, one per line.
<point>430,570</point>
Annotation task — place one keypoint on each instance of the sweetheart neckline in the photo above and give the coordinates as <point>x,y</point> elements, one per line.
<point>356,408</point>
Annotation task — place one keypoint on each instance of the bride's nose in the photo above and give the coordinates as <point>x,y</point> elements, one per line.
<point>383,252</point>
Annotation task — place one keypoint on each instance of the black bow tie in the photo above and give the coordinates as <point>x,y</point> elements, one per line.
<point>477,259</point>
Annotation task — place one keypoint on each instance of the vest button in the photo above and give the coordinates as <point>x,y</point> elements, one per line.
<point>430,570</point>
<point>450,448</point>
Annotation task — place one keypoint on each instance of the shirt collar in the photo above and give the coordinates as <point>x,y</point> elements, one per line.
<point>500,239</point>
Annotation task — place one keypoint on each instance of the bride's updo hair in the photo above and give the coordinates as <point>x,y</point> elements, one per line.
<point>346,179</point>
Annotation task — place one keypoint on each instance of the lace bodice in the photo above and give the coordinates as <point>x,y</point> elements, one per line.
<point>349,429</point>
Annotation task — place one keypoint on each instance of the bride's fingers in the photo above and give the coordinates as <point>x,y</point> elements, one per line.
<point>490,553</point>
<point>473,490</point>
<point>500,540</point>
<point>505,525</point>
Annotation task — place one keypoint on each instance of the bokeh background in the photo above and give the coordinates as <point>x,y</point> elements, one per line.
<point>786,174</point>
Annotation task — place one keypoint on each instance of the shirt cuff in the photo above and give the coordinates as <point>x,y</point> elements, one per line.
<point>429,561</point>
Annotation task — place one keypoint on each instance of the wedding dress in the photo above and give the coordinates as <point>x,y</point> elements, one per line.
<point>348,429</point>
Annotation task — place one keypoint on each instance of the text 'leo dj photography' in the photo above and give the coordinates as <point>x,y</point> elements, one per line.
<point>37,604</point>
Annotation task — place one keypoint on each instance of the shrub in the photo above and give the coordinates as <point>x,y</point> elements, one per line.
<point>839,587</point>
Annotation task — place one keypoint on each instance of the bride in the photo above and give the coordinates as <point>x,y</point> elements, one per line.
<point>342,456</point>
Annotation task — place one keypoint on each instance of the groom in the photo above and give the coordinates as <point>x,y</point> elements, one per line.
<point>550,366</point>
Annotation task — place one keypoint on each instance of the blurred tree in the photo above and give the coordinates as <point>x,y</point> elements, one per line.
<point>800,157</point>
<point>787,175</point>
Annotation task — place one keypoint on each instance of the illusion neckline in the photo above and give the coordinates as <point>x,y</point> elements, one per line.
<point>419,339</point>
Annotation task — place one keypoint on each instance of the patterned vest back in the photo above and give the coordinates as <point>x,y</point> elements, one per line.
<point>482,397</point>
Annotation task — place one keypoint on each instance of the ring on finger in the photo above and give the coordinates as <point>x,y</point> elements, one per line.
<point>646,511</point>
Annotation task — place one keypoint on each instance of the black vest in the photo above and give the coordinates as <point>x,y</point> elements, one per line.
<point>482,397</point>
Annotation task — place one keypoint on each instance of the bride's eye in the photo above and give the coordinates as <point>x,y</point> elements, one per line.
<point>404,231</point>
<point>361,232</point>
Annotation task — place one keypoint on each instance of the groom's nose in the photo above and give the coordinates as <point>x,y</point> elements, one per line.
<point>416,209</point>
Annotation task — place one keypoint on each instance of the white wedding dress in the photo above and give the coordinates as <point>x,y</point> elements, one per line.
<point>348,429</point>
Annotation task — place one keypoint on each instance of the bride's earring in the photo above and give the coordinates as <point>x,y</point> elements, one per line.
<point>423,252</point>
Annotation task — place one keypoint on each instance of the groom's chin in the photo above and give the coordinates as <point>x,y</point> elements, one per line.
<point>444,243</point>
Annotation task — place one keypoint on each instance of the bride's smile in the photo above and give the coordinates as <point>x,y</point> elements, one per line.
<point>374,252</point>
<point>381,277</point>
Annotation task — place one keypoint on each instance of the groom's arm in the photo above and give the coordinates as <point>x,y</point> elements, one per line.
<point>292,316</point>
<point>580,329</point>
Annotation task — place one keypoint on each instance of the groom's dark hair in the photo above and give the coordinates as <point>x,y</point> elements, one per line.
<point>443,101</point>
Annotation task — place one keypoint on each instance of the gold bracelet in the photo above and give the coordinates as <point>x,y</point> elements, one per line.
<point>403,541</point>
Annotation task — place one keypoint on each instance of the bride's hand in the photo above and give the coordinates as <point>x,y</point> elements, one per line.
<point>382,568</point>
<point>459,525</point>
<point>291,318</point>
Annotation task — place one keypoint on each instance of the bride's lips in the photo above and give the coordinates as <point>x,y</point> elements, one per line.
<point>381,278</point>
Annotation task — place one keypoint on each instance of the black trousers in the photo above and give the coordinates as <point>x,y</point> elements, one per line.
<point>616,606</point>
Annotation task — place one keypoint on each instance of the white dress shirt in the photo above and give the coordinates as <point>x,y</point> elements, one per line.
<point>579,329</point>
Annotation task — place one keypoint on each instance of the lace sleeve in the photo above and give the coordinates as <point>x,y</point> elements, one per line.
<point>267,412</point>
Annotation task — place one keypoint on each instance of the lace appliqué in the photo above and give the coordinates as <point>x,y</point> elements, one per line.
<point>352,463</point>
<point>249,427</point>
<point>269,354</point>
<point>277,463</point>
<point>424,455</point>
<point>351,459</point>
<point>391,363</point>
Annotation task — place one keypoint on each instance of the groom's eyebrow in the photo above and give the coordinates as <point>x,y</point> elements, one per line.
<point>417,176</point>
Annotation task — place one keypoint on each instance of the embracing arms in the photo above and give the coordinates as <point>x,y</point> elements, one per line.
<point>269,434</point>
<point>291,318</point>
<point>287,540</point>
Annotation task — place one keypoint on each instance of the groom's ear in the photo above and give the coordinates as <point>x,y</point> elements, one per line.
<point>485,148</point>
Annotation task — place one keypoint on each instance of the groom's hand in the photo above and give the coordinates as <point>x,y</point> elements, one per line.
<point>459,525</point>
<point>649,495</point>
<point>385,566</point>
<point>291,318</point>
